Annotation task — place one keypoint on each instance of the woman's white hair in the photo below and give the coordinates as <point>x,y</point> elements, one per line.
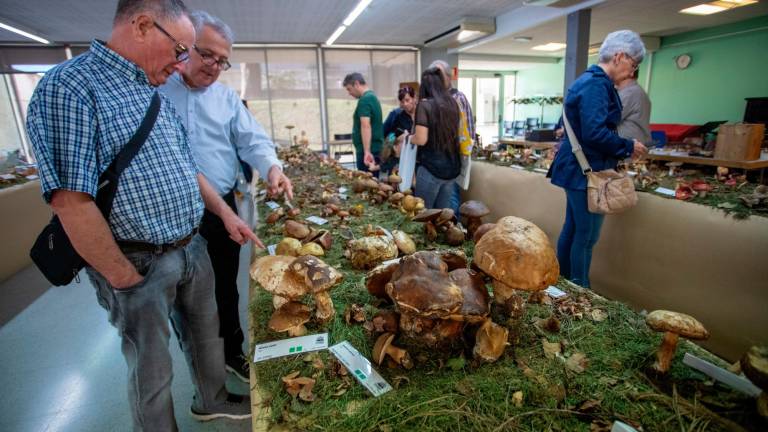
<point>622,41</point>
<point>200,19</point>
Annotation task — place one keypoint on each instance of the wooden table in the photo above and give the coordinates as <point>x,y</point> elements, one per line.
<point>760,164</point>
<point>535,145</point>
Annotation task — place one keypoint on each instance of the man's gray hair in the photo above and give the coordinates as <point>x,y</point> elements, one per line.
<point>442,64</point>
<point>202,19</point>
<point>622,41</point>
<point>162,10</point>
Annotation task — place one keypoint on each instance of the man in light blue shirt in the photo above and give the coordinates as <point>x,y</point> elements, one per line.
<point>221,130</point>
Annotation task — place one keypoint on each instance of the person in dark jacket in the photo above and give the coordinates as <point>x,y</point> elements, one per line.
<point>593,109</point>
<point>397,126</point>
<point>437,135</point>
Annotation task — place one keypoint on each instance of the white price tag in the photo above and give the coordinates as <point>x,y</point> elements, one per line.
<point>272,249</point>
<point>517,167</point>
<point>7,177</point>
<point>273,205</point>
<point>555,292</point>
<point>286,347</point>
<point>361,368</point>
<point>317,220</point>
<point>32,177</point>
<point>540,170</point>
<point>665,191</point>
<point>343,189</point>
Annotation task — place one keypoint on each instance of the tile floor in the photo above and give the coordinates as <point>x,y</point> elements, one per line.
<point>61,368</point>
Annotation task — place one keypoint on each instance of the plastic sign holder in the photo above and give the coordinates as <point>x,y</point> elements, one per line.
<point>361,368</point>
<point>286,347</point>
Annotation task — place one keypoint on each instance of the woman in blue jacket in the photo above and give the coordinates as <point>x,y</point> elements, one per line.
<point>593,109</point>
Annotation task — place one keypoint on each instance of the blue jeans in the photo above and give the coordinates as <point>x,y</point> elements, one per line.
<point>435,192</point>
<point>456,199</point>
<point>179,285</point>
<point>580,233</point>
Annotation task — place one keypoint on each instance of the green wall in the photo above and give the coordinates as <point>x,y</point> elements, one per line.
<point>545,80</point>
<point>729,64</point>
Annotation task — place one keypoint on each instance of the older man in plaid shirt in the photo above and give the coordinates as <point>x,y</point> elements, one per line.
<point>146,262</point>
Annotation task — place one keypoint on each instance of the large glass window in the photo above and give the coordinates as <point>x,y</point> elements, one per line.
<point>341,106</point>
<point>10,139</point>
<point>390,68</point>
<point>248,76</point>
<point>295,94</point>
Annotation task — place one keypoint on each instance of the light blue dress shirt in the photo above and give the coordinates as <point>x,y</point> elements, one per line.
<point>220,129</point>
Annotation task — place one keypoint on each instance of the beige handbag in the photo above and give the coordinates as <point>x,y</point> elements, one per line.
<point>608,191</point>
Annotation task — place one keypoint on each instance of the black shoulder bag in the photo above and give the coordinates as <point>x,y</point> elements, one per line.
<point>52,252</point>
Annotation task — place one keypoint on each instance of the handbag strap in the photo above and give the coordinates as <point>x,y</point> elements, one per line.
<point>126,155</point>
<point>575,146</point>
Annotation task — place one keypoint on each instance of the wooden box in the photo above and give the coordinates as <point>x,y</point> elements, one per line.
<point>739,142</point>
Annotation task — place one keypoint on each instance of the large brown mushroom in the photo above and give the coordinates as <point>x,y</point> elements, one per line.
<point>367,252</point>
<point>383,347</point>
<point>290,318</point>
<point>673,324</point>
<point>319,278</point>
<point>295,229</point>
<point>268,271</point>
<point>754,364</point>
<point>474,212</point>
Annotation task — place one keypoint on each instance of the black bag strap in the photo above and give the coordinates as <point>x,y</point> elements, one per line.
<point>107,188</point>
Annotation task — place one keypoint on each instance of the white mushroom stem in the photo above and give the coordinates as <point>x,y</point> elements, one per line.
<point>666,352</point>
<point>299,330</point>
<point>325,311</point>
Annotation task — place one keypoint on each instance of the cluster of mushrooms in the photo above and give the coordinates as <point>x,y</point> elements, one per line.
<point>290,280</point>
<point>302,240</point>
<point>441,224</point>
<point>376,246</point>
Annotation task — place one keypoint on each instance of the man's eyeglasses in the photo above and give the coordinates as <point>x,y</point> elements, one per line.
<point>210,60</point>
<point>182,52</point>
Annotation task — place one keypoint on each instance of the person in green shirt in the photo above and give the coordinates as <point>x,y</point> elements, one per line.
<point>367,132</point>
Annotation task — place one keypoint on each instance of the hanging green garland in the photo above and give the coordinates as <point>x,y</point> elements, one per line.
<point>538,100</point>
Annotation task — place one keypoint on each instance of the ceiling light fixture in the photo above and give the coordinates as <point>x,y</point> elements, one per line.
<point>25,34</point>
<point>348,20</point>
<point>552,46</point>
<point>716,6</point>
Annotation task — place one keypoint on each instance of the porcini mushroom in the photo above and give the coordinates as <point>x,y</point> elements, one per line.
<point>319,278</point>
<point>474,212</point>
<point>310,249</point>
<point>754,364</point>
<point>290,318</point>
<point>275,215</point>
<point>481,230</point>
<point>490,341</point>
<point>269,272</point>
<point>288,246</point>
<point>673,324</point>
<point>404,242</point>
<point>383,347</point>
<point>454,236</point>
<point>295,229</point>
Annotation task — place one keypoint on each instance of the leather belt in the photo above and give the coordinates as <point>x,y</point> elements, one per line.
<point>128,246</point>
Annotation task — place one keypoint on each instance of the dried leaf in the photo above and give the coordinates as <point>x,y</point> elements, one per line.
<point>399,380</point>
<point>465,387</point>
<point>600,426</point>
<point>306,392</point>
<point>590,405</point>
<point>551,349</point>
<point>551,324</point>
<point>317,363</point>
<point>598,315</point>
<point>577,362</point>
<point>291,376</point>
<point>517,398</point>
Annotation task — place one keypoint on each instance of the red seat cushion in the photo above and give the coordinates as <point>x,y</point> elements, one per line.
<point>675,132</point>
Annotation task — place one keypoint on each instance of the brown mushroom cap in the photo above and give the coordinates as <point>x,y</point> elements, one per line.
<point>315,274</point>
<point>310,249</point>
<point>418,289</point>
<point>381,345</point>
<point>518,254</point>
<point>377,279</point>
<point>385,320</point>
<point>482,230</point>
<point>269,272</point>
<point>754,364</point>
<point>454,259</point>
<point>476,298</point>
<point>295,229</point>
<point>490,341</point>
<point>427,215</point>
<point>446,215</point>
<point>454,236</point>
<point>288,247</point>
<point>475,209</point>
<point>322,237</point>
<point>394,179</point>
<point>289,317</point>
<point>678,323</point>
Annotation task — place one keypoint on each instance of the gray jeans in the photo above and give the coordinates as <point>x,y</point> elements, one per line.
<point>179,285</point>
<point>435,192</point>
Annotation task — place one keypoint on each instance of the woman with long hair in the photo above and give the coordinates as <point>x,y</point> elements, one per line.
<point>437,134</point>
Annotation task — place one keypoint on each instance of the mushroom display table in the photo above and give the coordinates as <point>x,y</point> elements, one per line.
<point>535,145</point>
<point>576,363</point>
<point>758,164</point>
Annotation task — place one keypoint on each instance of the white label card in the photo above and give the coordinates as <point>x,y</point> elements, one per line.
<point>272,249</point>
<point>7,177</point>
<point>517,167</point>
<point>32,177</point>
<point>343,189</point>
<point>555,292</point>
<point>286,347</point>
<point>540,170</point>
<point>317,220</point>
<point>664,191</point>
<point>361,368</point>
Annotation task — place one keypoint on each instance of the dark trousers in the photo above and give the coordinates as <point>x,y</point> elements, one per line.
<point>361,166</point>
<point>225,259</point>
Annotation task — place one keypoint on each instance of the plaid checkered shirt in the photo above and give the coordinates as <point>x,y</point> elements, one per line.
<point>82,113</point>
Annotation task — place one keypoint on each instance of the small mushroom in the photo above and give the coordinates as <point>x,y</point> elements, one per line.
<point>342,214</point>
<point>428,215</point>
<point>290,318</point>
<point>275,215</point>
<point>394,180</point>
<point>288,246</point>
<point>311,248</point>
<point>754,364</point>
<point>357,210</point>
<point>474,212</point>
<point>404,242</point>
<point>431,231</point>
<point>319,278</point>
<point>322,237</point>
<point>384,347</point>
<point>490,341</point>
<point>454,236</point>
<point>481,230</point>
<point>673,324</point>
<point>684,192</point>
<point>673,168</point>
<point>701,188</point>
<point>295,229</point>
<point>396,198</point>
<point>292,213</point>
